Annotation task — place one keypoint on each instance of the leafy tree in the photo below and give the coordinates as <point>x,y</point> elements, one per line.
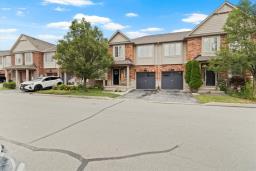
<point>195,79</point>
<point>84,51</point>
<point>188,71</point>
<point>239,53</point>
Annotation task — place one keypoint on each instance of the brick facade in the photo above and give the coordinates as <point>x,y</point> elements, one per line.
<point>194,46</point>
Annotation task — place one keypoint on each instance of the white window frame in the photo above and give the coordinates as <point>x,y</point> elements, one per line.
<point>208,46</point>
<point>173,49</point>
<point>145,51</point>
<point>30,57</point>
<point>46,57</point>
<point>18,59</point>
<point>7,61</point>
<point>120,51</point>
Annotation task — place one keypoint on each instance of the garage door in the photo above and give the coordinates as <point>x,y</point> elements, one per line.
<point>172,80</point>
<point>146,80</point>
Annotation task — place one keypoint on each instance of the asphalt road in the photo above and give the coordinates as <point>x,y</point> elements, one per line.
<point>71,134</point>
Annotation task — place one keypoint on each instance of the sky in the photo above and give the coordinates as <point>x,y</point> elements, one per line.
<point>49,19</point>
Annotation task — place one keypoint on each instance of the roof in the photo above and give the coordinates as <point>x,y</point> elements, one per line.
<point>168,37</point>
<point>5,53</point>
<point>40,45</point>
<point>32,67</point>
<point>218,20</point>
<point>203,58</point>
<point>123,62</point>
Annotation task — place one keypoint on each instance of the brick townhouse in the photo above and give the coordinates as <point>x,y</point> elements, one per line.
<point>28,59</point>
<point>158,61</point>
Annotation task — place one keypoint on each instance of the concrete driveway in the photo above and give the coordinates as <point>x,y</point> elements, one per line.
<point>162,96</point>
<point>50,133</point>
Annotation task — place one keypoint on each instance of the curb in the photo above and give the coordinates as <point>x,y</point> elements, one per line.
<point>238,105</point>
<point>73,96</point>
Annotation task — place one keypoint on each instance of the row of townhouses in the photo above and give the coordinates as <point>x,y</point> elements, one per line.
<point>149,62</point>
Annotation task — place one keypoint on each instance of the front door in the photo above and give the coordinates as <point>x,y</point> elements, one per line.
<point>210,78</point>
<point>116,75</point>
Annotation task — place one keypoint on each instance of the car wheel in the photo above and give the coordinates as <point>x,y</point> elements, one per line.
<point>59,83</point>
<point>38,87</point>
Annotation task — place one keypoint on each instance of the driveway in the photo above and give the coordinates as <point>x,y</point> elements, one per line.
<point>50,133</point>
<point>162,96</point>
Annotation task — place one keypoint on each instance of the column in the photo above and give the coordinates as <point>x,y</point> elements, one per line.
<point>27,75</point>
<point>6,75</point>
<point>65,78</point>
<point>17,77</point>
<point>128,76</point>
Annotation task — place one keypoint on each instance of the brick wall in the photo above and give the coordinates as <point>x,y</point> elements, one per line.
<point>39,63</point>
<point>129,52</point>
<point>194,46</point>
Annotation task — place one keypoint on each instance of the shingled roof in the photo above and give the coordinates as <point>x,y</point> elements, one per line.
<point>4,53</point>
<point>161,38</point>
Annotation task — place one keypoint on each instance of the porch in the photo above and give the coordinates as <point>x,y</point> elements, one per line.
<point>118,77</point>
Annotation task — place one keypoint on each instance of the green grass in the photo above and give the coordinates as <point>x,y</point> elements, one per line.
<point>221,99</point>
<point>89,92</point>
<point>2,88</point>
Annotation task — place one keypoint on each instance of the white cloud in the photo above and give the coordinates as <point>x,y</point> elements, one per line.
<point>49,37</point>
<point>93,18</point>
<point>7,37</point>
<point>59,9</point>
<point>131,14</point>
<point>20,13</point>
<point>114,26</point>
<point>135,34</point>
<point>59,25</point>
<point>194,18</point>
<point>69,2</point>
<point>5,9</point>
<point>11,30</point>
<point>181,30</point>
<point>152,29</point>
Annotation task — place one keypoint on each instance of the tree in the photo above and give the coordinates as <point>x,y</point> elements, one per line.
<point>239,53</point>
<point>193,75</point>
<point>195,79</point>
<point>83,51</point>
<point>188,71</point>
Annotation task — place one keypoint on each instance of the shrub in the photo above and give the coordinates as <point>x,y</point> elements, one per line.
<point>61,87</point>
<point>195,79</point>
<point>222,84</point>
<point>237,82</point>
<point>188,71</point>
<point>9,85</point>
<point>247,91</point>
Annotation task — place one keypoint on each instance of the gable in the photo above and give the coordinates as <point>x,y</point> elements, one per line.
<point>214,23</point>
<point>118,38</point>
<point>23,44</point>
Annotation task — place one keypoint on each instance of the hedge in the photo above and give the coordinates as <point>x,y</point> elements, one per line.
<point>9,85</point>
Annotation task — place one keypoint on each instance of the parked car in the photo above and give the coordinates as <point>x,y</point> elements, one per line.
<point>41,83</point>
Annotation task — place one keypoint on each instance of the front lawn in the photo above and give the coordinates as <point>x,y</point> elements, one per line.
<point>221,99</point>
<point>88,92</point>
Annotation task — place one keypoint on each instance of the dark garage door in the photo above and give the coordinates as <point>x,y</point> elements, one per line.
<point>172,80</point>
<point>146,80</point>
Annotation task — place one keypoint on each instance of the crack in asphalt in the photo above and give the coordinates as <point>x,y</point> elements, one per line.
<point>79,157</point>
<point>75,123</point>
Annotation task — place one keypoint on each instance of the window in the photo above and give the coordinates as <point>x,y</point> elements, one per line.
<point>1,61</point>
<point>18,59</point>
<point>210,44</point>
<point>145,51</point>
<point>7,61</point>
<point>28,58</point>
<point>119,51</point>
<point>48,57</point>
<point>172,49</point>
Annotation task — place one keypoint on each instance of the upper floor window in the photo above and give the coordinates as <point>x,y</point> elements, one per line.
<point>172,49</point>
<point>210,44</point>
<point>119,51</point>
<point>49,57</point>
<point>1,61</point>
<point>145,51</point>
<point>18,59</point>
<point>28,58</point>
<point>7,61</point>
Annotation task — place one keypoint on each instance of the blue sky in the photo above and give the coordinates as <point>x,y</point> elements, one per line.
<point>49,19</point>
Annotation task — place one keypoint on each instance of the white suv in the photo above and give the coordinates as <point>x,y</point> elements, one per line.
<point>41,83</point>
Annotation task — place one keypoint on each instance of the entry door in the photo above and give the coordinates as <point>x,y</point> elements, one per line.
<point>116,76</point>
<point>210,78</point>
